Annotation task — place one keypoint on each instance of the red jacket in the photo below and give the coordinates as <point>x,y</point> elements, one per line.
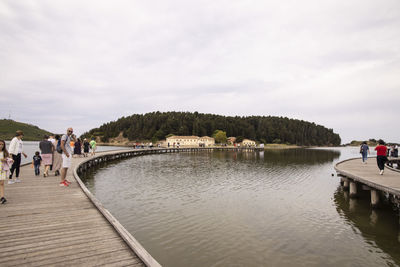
<point>381,150</point>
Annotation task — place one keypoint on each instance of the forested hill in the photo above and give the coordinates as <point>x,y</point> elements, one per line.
<point>31,132</point>
<point>157,125</point>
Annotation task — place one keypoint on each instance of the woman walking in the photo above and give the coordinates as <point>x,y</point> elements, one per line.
<point>47,148</point>
<point>381,158</point>
<point>16,149</point>
<point>57,158</point>
<point>364,150</point>
<point>4,167</point>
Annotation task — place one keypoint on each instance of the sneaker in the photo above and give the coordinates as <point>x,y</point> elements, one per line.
<point>381,172</point>
<point>10,182</point>
<point>3,200</point>
<point>17,180</point>
<point>67,182</point>
<point>64,184</point>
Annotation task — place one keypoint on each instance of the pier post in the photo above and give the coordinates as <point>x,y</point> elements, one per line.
<point>345,183</point>
<point>374,198</point>
<point>353,189</point>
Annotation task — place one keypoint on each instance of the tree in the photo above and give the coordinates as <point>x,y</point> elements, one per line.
<point>239,139</point>
<point>220,136</point>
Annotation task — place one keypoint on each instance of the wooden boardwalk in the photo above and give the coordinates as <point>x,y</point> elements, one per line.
<point>368,174</point>
<point>45,224</point>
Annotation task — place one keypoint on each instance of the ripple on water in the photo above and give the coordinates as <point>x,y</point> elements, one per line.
<point>232,209</point>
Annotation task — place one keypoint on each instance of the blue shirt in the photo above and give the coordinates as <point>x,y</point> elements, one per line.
<point>37,160</point>
<point>364,148</point>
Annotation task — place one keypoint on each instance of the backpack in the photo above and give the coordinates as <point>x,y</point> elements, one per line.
<point>58,148</point>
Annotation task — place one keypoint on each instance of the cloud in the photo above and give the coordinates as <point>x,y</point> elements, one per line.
<point>78,63</point>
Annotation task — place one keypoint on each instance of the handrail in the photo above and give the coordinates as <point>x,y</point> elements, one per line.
<point>128,238</point>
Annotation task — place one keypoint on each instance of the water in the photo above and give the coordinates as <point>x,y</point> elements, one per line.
<point>277,208</point>
<point>30,147</point>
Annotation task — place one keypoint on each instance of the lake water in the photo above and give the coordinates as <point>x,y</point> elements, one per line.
<point>276,208</point>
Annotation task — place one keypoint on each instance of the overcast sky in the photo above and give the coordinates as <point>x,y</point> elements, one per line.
<point>84,63</point>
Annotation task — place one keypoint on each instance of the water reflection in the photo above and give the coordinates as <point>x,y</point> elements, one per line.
<point>284,156</point>
<point>379,227</point>
<point>237,209</point>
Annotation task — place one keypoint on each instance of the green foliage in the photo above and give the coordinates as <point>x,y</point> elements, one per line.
<point>31,132</point>
<point>158,125</point>
<point>239,139</point>
<point>219,136</point>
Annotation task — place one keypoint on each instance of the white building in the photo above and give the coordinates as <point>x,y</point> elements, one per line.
<point>248,143</point>
<point>189,141</point>
<point>206,141</point>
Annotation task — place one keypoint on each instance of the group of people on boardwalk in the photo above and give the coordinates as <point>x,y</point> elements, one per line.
<point>55,154</point>
<point>382,152</point>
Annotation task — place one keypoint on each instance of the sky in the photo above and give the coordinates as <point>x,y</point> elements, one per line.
<point>84,63</point>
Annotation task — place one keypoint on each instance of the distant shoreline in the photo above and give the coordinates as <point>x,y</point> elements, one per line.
<point>266,146</point>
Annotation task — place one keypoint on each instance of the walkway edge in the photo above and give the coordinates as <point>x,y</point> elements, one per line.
<point>128,238</point>
<point>364,181</point>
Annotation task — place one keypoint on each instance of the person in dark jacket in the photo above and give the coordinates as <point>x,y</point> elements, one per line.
<point>47,149</point>
<point>78,148</point>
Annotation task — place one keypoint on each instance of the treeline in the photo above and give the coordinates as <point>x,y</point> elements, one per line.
<point>157,125</point>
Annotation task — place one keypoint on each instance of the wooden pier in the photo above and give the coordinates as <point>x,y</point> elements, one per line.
<point>355,175</point>
<point>45,224</point>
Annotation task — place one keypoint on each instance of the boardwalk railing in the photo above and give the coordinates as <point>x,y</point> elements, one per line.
<point>390,163</point>
<point>128,238</point>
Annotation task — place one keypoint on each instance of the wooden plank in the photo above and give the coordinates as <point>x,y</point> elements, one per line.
<point>38,237</point>
<point>66,241</point>
<point>62,254</point>
<point>120,263</point>
<point>43,223</point>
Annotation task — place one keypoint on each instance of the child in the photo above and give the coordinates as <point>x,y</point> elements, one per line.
<point>37,160</point>
<point>5,162</point>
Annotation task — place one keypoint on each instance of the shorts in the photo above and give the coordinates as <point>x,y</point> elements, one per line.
<point>66,162</point>
<point>47,159</point>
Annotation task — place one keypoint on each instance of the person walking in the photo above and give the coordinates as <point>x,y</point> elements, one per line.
<point>47,148</point>
<point>57,158</point>
<point>5,160</point>
<point>93,146</point>
<point>53,141</point>
<point>66,155</point>
<point>364,150</point>
<point>16,149</point>
<point>36,162</point>
<point>86,146</point>
<point>78,148</point>
<point>381,152</point>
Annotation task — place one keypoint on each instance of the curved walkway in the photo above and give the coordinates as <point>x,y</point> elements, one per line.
<point>45,224</point>
<point>368,174</point>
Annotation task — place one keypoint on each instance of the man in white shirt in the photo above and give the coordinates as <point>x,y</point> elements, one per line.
<point>16,149</point>
<point>66,155</point>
